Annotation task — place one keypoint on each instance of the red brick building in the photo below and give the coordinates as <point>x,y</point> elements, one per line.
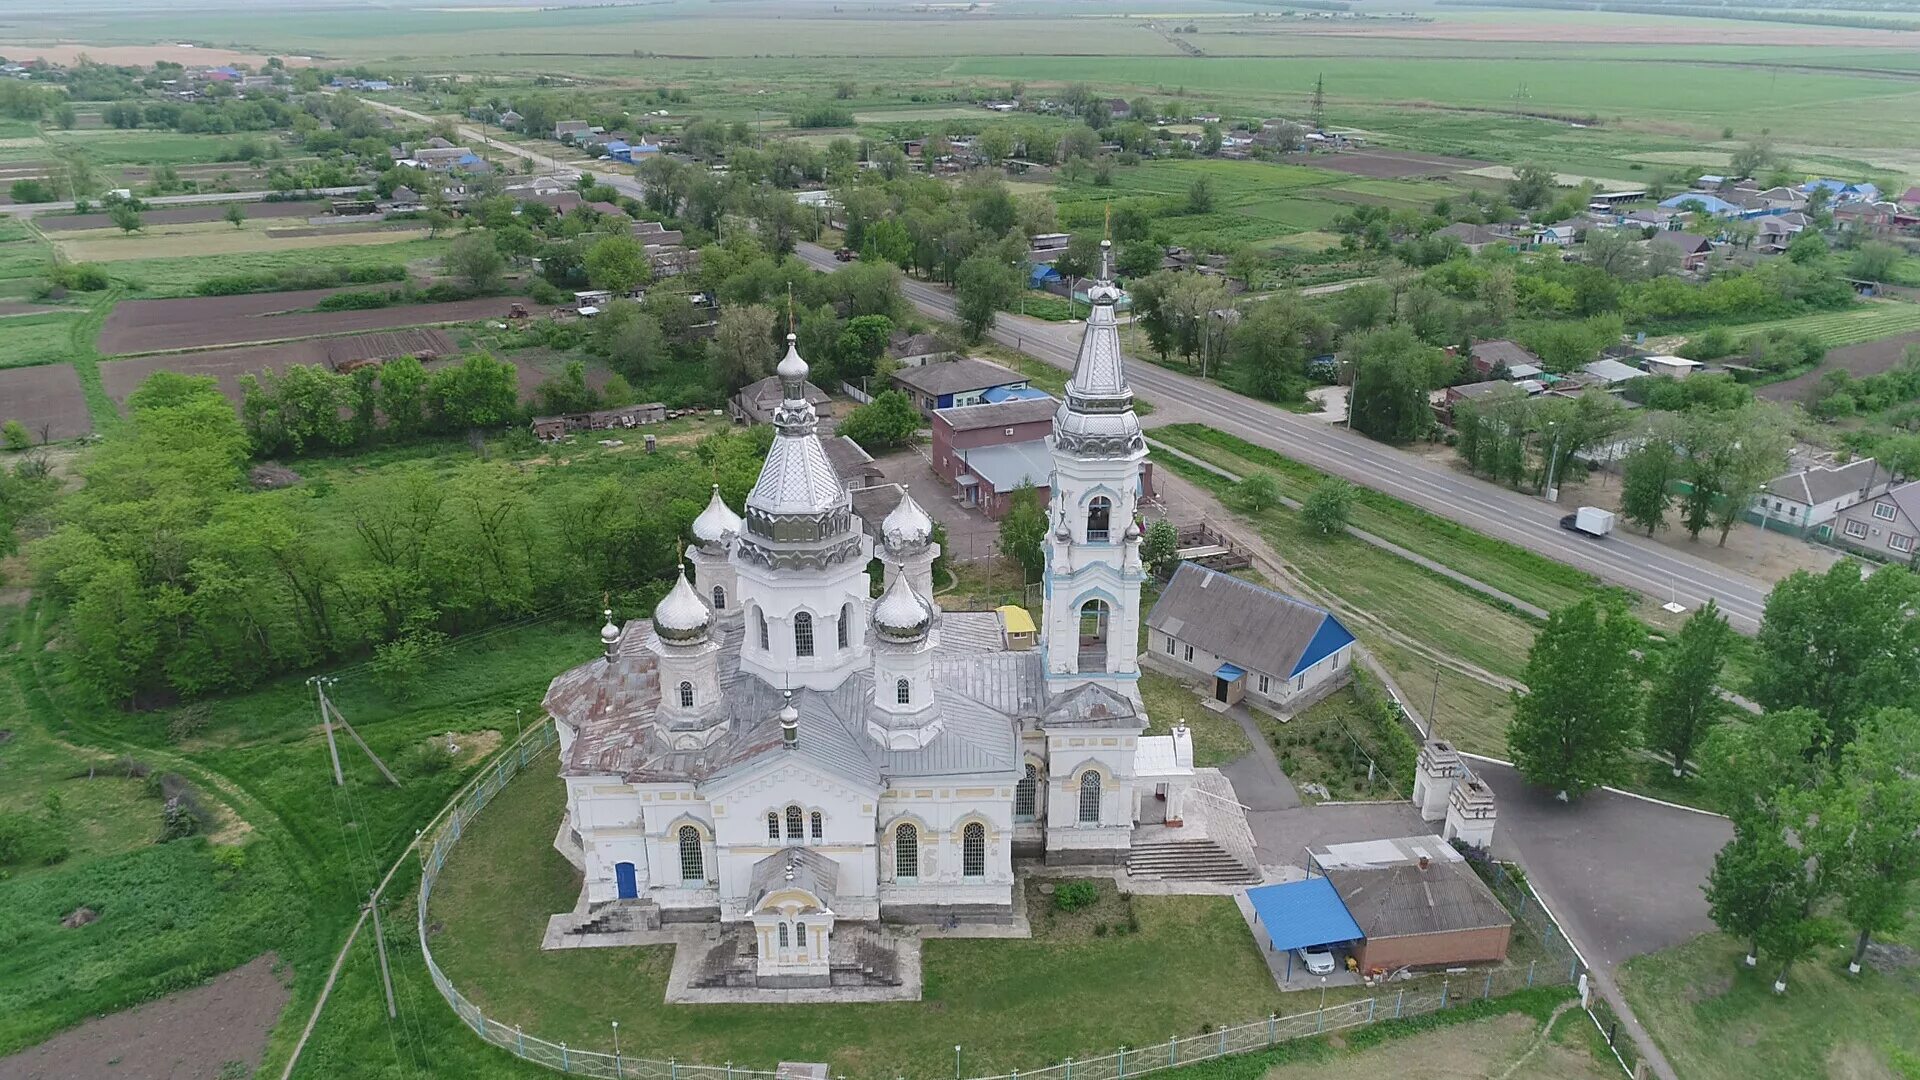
<point>988,451</point>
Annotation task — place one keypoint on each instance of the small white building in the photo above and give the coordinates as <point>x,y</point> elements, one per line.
<point>1678,367</point>
<point>1807,499</point>
<point>1252,641</point>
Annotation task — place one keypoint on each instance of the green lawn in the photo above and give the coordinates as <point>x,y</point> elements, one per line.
<point>178,276</point>
<point>1217,739</point>
<point>1009,1003</point>
<point>36,339</point>
<point>1717,1020</point>
<point>1254,201</point>
<point>106,146</point>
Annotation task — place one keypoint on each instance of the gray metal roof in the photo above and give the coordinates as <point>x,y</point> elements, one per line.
<point>795,868</point>
<point>1494,353</point>
<point>1405,901</point>
<point>1613,371</point>
<point>1093,705</point>
<point>1008,465</point>
<point>1821,483</point>
<point>849,459</point>
<point>1255,628</point>
<point>998,414</point>
<point>960,375</point>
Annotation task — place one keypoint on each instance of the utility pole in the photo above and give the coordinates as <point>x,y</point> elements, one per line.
<point>1319,102</point>
<point>333,748</point>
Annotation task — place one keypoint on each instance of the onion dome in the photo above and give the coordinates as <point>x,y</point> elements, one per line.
<point>901,616</point>
<point>1133,531</point>
<point>610,635</point>
<point>907,528</point>
<point>717,524</point>
<point>792,370</point>
<point>789,723</point>
<point>682,618</point>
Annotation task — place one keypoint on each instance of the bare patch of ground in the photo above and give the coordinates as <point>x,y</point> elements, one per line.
<point>1483,1048</point>
<point>189,1035</point>
<point>475,745</point>
<point>1769,556</point>
<point>47,399</point>
<point>1852,1061</point>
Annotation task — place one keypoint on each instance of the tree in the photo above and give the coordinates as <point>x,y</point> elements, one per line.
<point>888,421</point>
<point>1683,700</point>
<point>1137,259</point>
<point>983,287</point>
<point>1749,887</point>
<point>1615,252</point>
<point>403,396</point>
<point>1392,373</point>
<point>1875,260</point>
<point>636,346</point>
<point>1255,494</point>
<point>1268,350</point>
<point>236,216</point>
<point>478,392</point>
<point>474,259</point>
<point>742,345</point>
<point>1023,533</point>
<point>1532,185</point>
<point>1840,645</point>
<point>1870,827</point>
<point>1574,725</point>
<point>125,216</point>
<point>1200,195</point>
<point>1327,507</point>
<point>618,264</point>
<point>15,434</point>
<point>1160,548</point>
<point>1646,484</point>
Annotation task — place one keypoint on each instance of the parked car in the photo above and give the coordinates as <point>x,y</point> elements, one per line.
<point>1318,961</point>
<point>846,254</point>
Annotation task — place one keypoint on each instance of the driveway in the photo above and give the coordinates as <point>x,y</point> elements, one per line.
<point>970,535</point>
<point>1623,874</point>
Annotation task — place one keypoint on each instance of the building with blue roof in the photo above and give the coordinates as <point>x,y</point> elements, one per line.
<point>1712,204</point>
<point>1251,641</point>
<point>1041,275</point>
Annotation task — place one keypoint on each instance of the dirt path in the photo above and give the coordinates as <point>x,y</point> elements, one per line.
<point>189,1035</point>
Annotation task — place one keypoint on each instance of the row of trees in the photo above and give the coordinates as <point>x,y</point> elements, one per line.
<point>308,407</point>
<point>1820,785</point>
<point>178,581</point>
<point>1710,462</point>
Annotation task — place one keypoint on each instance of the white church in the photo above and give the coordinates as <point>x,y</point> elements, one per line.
<point>773,746</point>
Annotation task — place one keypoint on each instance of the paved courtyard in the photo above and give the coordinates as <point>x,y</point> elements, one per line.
<point>970,535</point>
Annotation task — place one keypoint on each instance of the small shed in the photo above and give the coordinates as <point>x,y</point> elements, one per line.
<point>1016,627</point>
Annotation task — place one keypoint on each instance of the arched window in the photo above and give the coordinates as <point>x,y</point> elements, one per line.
<point>783,935</point>
<point>760,621</point>
<point>846,624</point>
<point>803,634</point>
<point>973,850</point>
<point>793,824</point>
<point>903,692</point>
<point>719,598</point>
<point>1025,794</point>
<point>686,695</point>
<point>906,852</point>
<point>693,862</point>
<point>819,826</point>
<point>1090,798</point>
<point>1098,511</point>
<point>773,825</point>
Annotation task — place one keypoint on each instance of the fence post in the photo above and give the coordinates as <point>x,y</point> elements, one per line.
<point>1122,1074</point>
<point>1530,964</point>
<point>1488,992</point>
<point>519,1042</point>
<point>1398,1000</point>
<point>565,1066</point>
<point>1573,968</point>
<point>1173,1049</point>
<point>673,1068</point>
<point>1444,984</point>
<point>1272,1019</point>
<point>1223,1044</point>
<point>1069,1069</point>
<point>1373,1004</point>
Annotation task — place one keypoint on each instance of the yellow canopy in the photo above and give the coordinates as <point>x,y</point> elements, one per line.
<point>1015,619</point>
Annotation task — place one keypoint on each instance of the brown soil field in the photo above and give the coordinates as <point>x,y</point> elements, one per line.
<point>339,230</point>
<point>182,215</point>
<point>45,396</point>
<point>141,55</point>
<point>123,377</point>
<point>190,1035</point>
<point>1383,164</point>
<point>244,323</point>
<point>1866,358</point>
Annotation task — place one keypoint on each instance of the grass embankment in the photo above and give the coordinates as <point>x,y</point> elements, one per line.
<point>1717,1020</point>
<point>175,913</point>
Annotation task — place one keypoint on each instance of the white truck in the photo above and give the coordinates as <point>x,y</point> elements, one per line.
<point>1590,520</point>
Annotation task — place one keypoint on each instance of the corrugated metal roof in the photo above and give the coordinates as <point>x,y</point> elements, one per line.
<point>1404,901</point>
<point>956,376</point>
<point>1256,628</point>
<point>1000,414</point>
<point>1303,914</point>
<point>1007,466</point>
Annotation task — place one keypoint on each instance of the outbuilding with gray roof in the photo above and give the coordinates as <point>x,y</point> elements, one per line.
<point>1252,641</point>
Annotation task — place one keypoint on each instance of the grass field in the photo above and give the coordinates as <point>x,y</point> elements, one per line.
<point>36,339</point>
<point>1217,739</point>
<point>177,275</point>
<point>108,146</point>
<point>212,239</point>
<point>1868,322</point>
<point>1717,1020</point>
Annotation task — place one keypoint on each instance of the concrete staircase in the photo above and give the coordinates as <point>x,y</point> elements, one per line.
<point>619,917</point>
<point>1188,860</point>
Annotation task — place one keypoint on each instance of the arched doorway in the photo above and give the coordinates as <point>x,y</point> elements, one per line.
<point>1094,619</point>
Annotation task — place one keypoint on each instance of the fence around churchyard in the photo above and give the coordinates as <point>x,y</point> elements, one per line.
<point>1394,1001</point>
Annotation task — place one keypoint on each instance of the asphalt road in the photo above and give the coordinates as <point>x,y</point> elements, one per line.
<point>620,182</point>
<point>1630,561</point>
<point>31,209</point>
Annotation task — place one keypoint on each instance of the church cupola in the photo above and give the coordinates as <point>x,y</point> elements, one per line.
<point>907,547</point>
<point>688,661</point>
<point>905,635</point>
<point>610,637</point>
<point>800,558</point>
<point>714,533</point>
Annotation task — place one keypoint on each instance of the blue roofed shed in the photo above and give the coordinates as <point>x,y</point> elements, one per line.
<point>1040,275</point>
<point>1303,915</point>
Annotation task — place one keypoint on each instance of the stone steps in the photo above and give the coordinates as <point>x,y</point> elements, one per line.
<point>1188,860</point>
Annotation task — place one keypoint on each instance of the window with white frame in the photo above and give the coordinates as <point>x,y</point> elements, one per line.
<point>902,692</point>
<point>1090,799</point>
<point>760,621</point>
<point>693,861</point>
<point>686,695</point>
<point>845,629</point>
<point>906,852</point>
<point>817,826</point>
<point>1857,529</point>
<point>1883,511</point>
<point>1169,646</point>
<point>1265,684</point>
<point>803,634</point>
<point>1900,542</point>
<point>973,850</point>
<point>719,598</point>
<point>773,825</point>
<point>783,934</point>
<point>1026,794</point>
<point>793,824</point>
<point>1189,654</point>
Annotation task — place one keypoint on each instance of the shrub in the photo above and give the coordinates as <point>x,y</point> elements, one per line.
<point>1074,895</point>
<point>425,760</point>
<point>1100,929</point>
<point>544,292</point>
<point>356,301</point>
<point>80,277</point>
<point>187,721</point>
<point>228,862</point>
<point>15,434</point>
<point>26,840</point>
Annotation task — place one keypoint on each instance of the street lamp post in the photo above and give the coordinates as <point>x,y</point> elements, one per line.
<point>956,1061</point>
<point>1552,493</point>
<point>617,1070</point>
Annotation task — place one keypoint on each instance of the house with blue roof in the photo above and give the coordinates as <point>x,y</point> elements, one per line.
<point>1711,204</point>
<point>619,150</point>
<point>1843,191</point>
<point>1252,642</point>
<point>1042,275</point>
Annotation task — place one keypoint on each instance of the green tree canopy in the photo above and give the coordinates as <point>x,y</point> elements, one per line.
<point>1573,727</point>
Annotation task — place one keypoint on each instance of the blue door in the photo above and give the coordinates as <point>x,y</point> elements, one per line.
<point>623,875</point>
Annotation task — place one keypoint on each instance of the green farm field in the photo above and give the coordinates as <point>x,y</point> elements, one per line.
<point>1868,322</point>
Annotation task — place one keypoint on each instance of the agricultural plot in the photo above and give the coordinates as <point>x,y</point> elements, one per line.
<point>47,399</point>
<point>26,340</point>
<point>122,377</point>
<point>179,275</point>
<point>110,146</point>
<point>183,215</point>
<point>213,238</point>
<point>1254,202</point>
<point>1833,329</point>
<point>242,322</point>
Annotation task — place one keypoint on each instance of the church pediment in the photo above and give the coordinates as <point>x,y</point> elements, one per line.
<point>1094,705</point>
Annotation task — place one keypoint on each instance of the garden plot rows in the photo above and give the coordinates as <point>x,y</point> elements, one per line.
<point>123,377</point>
<point>182,215</point>
<point>46,399</point>
<point>144,326</point>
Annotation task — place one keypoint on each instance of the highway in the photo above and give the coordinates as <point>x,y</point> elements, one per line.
<point>1630,561</point>
<point>31,209</point>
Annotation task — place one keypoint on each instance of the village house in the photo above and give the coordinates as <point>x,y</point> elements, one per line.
<point>755,403</point>
<point>852,463</point>
<point>1251,641</point>
<point>1673,367</point>
<point>1415,901</point>
<point>1692,249</point>
<point>1864,218</point>
<point>1778,230</point>
<point>1489,357</point>
<point>548,428</point>
<point>1807,500</point>
<point>1471,236</point>
<point>963,380</point>
<point>913,350</point>
<point>1885,526</point>
<point>575,128</point>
